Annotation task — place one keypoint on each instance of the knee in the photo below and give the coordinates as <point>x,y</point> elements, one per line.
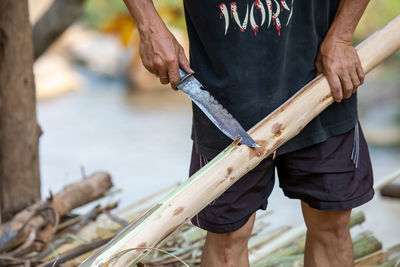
<point>235,241</point>
<point>226,249</point>
<point>238,239</point>
<point>330,223</point>
<point>229,248</point>
<point>232,242</point>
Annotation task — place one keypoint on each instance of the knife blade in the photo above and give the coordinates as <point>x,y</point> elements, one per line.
<point>212,109</point>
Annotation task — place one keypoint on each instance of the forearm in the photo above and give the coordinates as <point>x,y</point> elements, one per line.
<point>337,58</point>
<point>145,16</point>
<point>161,53</point>
<point>346,19</point>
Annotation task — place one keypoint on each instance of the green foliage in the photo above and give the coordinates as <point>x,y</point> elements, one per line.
<point>397,115</point>
<point>377,15</point>
<point>98,12</point>
<point>172,12</point>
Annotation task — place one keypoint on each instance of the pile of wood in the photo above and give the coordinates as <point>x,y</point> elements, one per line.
<point>39,229</point>
<point>46,234</point>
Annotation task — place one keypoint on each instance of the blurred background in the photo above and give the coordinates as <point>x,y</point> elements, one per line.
<point>100,109</point>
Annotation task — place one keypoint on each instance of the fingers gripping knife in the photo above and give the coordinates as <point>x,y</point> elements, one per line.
<point>213,110</point>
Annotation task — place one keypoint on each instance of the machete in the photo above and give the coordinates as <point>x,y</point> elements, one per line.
<point>213,110</point>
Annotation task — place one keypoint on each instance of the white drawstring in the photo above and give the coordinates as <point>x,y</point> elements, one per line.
<point>355,153</point>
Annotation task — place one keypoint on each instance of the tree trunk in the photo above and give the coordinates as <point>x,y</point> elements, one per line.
<point>19,131</point>
<point>236,160</point>
<point>60,15</point>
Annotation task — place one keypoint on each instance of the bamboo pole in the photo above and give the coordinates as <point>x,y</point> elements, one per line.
<point>260,240</point>
<point>366,249</point>
<point>236,160</point>
<point>357,218</point>
<point>392,263</point>
<point>374,259</point>
<point>366,246</point>
<point>282,241</point>
<point>378,185</point>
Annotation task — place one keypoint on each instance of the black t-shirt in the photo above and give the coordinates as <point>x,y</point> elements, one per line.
<point>253,55</point>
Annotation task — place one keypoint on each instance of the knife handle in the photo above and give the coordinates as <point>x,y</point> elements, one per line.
<point>183,75</point>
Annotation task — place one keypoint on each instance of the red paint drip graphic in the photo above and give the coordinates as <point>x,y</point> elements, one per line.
<point>233,5</point>
<point>257,5</point>
<point>255,29</point>
<point>221,6</point>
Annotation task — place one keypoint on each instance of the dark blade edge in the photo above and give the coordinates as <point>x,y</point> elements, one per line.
<point>194,89</point>
<point>241,133</point>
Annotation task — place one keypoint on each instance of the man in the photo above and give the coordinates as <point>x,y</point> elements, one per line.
<point>252,55</point>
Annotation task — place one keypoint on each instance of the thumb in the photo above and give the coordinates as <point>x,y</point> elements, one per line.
<point>318,67</point>
<point>183,62</point>
<point>318,64</point>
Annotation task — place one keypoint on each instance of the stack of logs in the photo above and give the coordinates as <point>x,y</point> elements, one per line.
<point>34,232</point>
<point>45,234</point>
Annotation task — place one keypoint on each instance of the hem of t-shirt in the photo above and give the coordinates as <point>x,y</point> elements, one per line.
<point>306,141</point>
<point>319,137</point>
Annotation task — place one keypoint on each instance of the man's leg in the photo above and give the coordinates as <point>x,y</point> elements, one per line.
<point>328,241</point>
<point>332,177</point>
<point>228,249</point>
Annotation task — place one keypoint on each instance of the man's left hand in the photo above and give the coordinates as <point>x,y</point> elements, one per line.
<point>339,61</point>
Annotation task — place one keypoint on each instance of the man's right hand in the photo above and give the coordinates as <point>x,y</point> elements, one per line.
<point>162,55</point>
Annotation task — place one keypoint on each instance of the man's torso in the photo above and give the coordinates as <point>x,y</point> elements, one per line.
<point>254,55</point>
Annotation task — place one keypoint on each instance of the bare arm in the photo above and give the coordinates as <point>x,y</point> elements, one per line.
<point>337,58</point>
<point>160,52</point>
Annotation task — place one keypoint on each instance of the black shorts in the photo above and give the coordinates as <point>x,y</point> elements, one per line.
<point>333,175</point>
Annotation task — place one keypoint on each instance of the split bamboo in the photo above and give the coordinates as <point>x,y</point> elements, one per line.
<point>374,259</point>
<point>236,160</point>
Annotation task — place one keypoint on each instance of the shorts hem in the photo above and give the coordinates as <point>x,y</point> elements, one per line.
<point>335,205</point>
<point>221,228</point>
<point>226,227</point>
